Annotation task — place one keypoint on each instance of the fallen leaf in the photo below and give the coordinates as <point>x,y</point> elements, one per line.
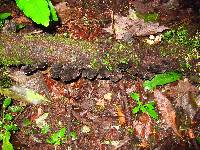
<point>108,96</point>
<point>191,134</point>
<point>23,94</point>
<point>100,103</point>
<point>143,127</point>
<point>126,27</point>
<point>185,97</point>
<point>167,111</point>
<point>40,121</point>
<point>34,82</point>
<point>120,115</point>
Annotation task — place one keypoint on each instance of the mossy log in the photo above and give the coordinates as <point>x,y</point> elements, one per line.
<point>26,48</point>
<point>19,48</point>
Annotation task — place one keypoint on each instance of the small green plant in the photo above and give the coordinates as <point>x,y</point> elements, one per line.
<point>131,131</point>
<point>57,138</point>
<point>20,27</point>
<point>60,137</point>
<point>73,135</point>
<point>26,122</point>
<point>148,108</point>
<point>168,35</point>
<point>45,129</point>
<point>3,17</point>
<point>181,36</point>
<point>6,124</point>
<point>40,11</point>
<point>161,79</point>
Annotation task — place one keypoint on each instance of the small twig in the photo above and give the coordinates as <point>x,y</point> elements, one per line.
<point>122,142</point>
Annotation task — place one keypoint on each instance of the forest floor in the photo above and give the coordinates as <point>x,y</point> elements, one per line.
<point>135,89</point>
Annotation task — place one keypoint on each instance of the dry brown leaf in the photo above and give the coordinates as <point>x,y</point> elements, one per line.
<point>120,115</point>
<point>184,99</point>
<point>191,134</point>
<point>143,127</point>
<point>167,111</point>
<point>125,27</point>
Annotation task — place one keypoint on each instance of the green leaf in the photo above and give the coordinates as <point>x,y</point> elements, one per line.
<point>150,105</point>
<point>1,124</point>
<point>150,110</point>
<point>8,117</point>
<point>4,16</point>
<point>136,109</point>
<point>161,79</point>
<point>73,135</point>
<point>45,129</point>
<point>6,142</point>
<point>143,108</point>
<point>7,102</point>
<point>11,127</point>
<point>53,16</point>
<point>15,109</point>
<point>37,10</point>
<point>1,136</point>
<point>198,140</point>
<point>56,138</point>
<point>62,132</point>
<point>152,113</point>
<point>135,96</point>
<point>26,122</point>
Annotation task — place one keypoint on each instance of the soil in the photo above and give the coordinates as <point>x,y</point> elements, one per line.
<point>89,79</point>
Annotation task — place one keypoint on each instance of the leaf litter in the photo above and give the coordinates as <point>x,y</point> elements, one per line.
<point>126,27</point>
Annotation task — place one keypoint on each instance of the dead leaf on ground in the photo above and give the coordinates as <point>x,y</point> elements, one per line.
<point>186,97</point>
<point>125,27</point>
<point>166,110</point>
<point>120,115</point>
<point>143,127</point>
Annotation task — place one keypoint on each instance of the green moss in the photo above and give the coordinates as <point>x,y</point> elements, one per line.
<point>5,81</point>
<point>182,46</point>
<point>94,63</point>
<point>123,52</point>
<point>149,17</point>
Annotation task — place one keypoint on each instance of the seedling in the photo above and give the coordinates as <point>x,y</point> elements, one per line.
<point>148,108</point>
<point>57,138</point>
<point>26,122</point>
<point>45,129</point>
<point>73,135</point>
<point>6,124</point>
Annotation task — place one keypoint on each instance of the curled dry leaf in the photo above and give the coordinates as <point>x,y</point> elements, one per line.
<point>120,115</point>
<point>167,111</point>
